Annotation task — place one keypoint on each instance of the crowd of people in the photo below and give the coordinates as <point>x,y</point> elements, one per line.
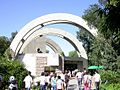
<point>88,80</point>
<point>59,81</point>
<point>48,81</point>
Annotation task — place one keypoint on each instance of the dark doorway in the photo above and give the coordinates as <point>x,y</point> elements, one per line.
<point>70,67</point>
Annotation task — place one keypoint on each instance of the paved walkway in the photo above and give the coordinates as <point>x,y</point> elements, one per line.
<point>73,85</point>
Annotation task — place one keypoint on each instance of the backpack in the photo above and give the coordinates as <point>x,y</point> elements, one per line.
<point>86,82</point>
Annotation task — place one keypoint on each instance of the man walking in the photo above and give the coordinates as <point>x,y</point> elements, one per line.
<point>28,81</point>
<point>79,76</point>
<point>97,80</point>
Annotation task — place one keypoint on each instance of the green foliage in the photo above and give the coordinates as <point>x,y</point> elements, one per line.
<point>13,34</point>
<point>118,63</point>
<point>4,44</point>
<point>110,87</point>
<point>110,77</point>
<point>102,53</point>
<point>12,68</point>
<point>84,37</point>
<point>110,80</point>
<point>7,54</point>
<point>111,13</point>
<point>91,16</point>
<point>109,27</point>
<point>73,54</point>
<point>36,88</point>
<point>105,49</point>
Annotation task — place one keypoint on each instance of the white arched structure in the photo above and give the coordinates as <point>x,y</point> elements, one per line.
<point>61,33</point>
<point>54,46</point>
<point>40,22</point>
<point>36,43</point>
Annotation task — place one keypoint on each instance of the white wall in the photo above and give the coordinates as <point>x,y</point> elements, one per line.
<point>30,63</point>
<point>30,60</point>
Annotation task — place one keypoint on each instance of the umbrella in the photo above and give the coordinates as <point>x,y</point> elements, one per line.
<point>100,67</point>
<point>95,67</point>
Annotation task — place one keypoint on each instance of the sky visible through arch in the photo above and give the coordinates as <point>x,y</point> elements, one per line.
<point>14,14</point>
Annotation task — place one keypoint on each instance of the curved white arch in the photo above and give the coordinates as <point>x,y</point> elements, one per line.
<point>54,46</point>
<point>61,33</point>
<point>46,20</point>
<point>49,42</point>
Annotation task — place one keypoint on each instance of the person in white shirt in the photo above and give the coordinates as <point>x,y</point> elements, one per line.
<point>42,81</point>
<point>28,81</point>
<point>59,83</point>
<point>62,76</point>
<point>54,81</point>
<point>79,76</point>
<point>97,80</point>
<point>69,73</point>
<point>86,81</point>
<point>92,86</point>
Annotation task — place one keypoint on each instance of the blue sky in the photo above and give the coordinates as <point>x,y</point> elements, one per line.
<point>14,14</point>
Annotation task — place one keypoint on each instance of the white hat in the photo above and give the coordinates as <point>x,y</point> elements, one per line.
<point>12,78</point>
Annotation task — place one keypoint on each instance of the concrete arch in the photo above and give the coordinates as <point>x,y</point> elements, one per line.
<point>54,46</point>
<point>61,33</point>
<point>30,48</point>
<point>40,22</point>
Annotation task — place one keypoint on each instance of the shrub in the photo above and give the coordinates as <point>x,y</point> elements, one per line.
<point>12,68</point>
<point>110,87</point>
<point>110,76</point>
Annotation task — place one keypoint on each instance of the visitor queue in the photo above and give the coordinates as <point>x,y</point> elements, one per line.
<point>88,81</point>
<point>48,81</point>
<point>58,81</point>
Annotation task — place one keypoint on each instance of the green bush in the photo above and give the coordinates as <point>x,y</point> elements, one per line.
<point>12,68</point>
<point>36,88</point>
<point>110,87</point>
<point>110,77</point>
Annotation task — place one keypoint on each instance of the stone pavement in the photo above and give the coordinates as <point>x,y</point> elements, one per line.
<point>73,85</point>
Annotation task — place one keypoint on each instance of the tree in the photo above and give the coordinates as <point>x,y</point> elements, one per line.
<point>109,12</point>
<point>9,67</point>
<point>73,54</point>
<point>12,68</point>
<point>85,38</point>
<point>101,51</point>
<point>13,34</point>
<point>91,16</point>
<point>4,44</point>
